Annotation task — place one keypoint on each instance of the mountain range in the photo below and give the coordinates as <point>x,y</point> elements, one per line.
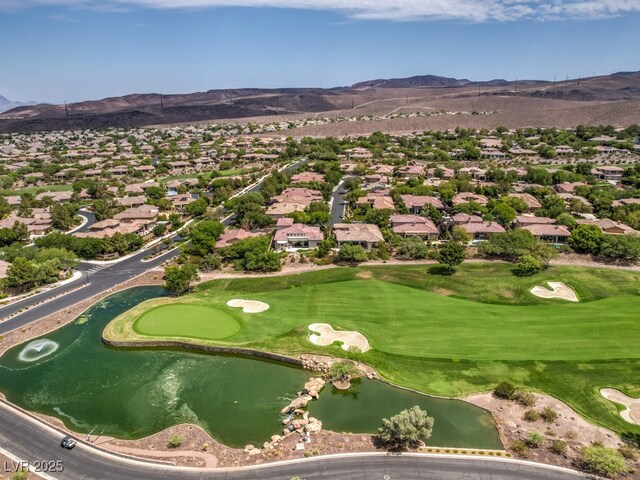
<point>379,96</point>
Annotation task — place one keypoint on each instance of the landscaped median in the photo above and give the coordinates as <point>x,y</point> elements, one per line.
<point>443,335</point>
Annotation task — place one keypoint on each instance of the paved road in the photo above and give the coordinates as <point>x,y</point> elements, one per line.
<point>91,219</point>
<point>31,441</point>
<point>338,204</point>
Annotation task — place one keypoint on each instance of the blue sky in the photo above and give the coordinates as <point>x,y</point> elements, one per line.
<point>57,50</point>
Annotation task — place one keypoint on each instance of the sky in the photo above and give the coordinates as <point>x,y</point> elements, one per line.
<point>72,50</point>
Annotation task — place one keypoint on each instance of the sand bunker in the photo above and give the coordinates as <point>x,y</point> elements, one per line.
<point>325,335</point>
<point>631,413</point>
<point>558,290</point>
<point>248,306</point>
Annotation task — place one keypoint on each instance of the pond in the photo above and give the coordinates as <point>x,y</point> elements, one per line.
<point>70,374</point>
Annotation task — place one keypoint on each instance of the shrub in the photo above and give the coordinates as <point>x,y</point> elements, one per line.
<point>531,415</point>
<point>174,441</point>
<point>505,390</point>
<point>20,475</point>
<point>603,460</point>
<point>352,253</point>
<point>525,399</point>
<point>559,447</point>
<point>528,265</point>
<point>628,452</point>
<point>535,439</point>
<point>406,429</point>
<point>549,415</point>
<point>520,447</point>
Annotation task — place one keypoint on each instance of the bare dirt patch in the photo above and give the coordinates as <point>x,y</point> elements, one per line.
<point>365,274</point>
<point>558,290</point>
<point>248,306</point>
<point>443,291</point>
<point>324,335</point>
<point>632,411</point>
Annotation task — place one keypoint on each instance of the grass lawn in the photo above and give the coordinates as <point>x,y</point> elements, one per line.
<point>196,321</point>
<point>206,175</point>
<point>444,335</point>
<point>35,190</point>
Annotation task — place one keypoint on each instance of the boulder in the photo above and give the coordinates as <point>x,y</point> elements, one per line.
<point>314,425</point>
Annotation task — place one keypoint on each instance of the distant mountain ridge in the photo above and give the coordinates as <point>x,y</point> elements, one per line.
<point>6,104</point>
<point>156,109</point>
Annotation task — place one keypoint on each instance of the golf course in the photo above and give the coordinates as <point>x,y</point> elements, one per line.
<point>448,335</point>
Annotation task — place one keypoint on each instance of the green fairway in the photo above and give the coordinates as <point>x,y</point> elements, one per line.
<point>193,321</point>
<point>34,190</point>
<point>448,335</point>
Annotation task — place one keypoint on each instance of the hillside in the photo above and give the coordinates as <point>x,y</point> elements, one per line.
<point>379,97</point>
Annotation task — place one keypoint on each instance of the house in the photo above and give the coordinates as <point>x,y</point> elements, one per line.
<point>296,236</point>
<point>409,171</point>
<point>231,236</point>
<point>568,187</point>
<point>463,218</point>
<point>482,230</point>
<point>180,201</point>
<point>304,196</point>
<point>307,177</point>
<point>143,213</point>
<point>56,197</point>
<point>416,203</point>
<point>530,201</point>
<point>468,197</point>
<point>474,172</point>
<point>111,226</point>
<point>549,233</point>
<point>609,174</point>
<point>609,226</point>
<point>526,220</point>
<point>414,225</point>
<point>129,202</point>
<point>364,234</point>
<point>282,209</point>
<point>379,200</point>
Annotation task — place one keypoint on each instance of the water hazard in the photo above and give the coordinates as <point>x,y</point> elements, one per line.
<point>72,375</point>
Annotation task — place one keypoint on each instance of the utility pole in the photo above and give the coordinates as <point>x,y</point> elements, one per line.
<point>516,89</point>
<point>566,81</point>
<point>162,103</point>
<point>554,80</point>
<point>66,109</point>
<point>579,78</point>
<point>351,103</point>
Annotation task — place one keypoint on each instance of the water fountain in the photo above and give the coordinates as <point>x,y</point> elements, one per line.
<point>38,349</point>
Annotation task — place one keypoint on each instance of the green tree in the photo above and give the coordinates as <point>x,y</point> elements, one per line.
<point>177,280</point>
<point>505,390</point>
<point>406,429</point>
<point>67,259</point>
<point>21,231</point>
<point>586,239</point>
<point>352,253</point>
<point>459,234</point>
<point>412,248</point>
<point>204,236</point>
<point>504,214</point>
<point>197,208</point>
<point>621,247</point>
<point>451,254</point>
<point>22,274</point>
<point>61,217</point>
<point>343,371</point>
<point>528,265</point>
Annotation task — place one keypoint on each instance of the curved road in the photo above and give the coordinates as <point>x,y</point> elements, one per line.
<point>34,442</point>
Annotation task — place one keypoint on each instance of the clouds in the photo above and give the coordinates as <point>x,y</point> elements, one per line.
<point>467,10</point>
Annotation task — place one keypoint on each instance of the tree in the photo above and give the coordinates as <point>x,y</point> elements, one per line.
<point>621,247</point>
<point>567,220</point>
<point>177,280</point>
<point>504,214</point>
<point>451,254</point>
<point>406,429</point>
<point>352,253</point>
<point>61,217</point>
<point>510,245</point>
<point>21,231</point>
<point>459,234</point>
<point>67,259</point>
<point>342,371</point>
<point>197,208</point>
<point>324,247</point>
<point>204,236</point>
<point>22,273</point>
<point>211,262</point>
<point>412,248</point>
<point>586,239</point>
<point>528,265</point>
<point>602,460</point>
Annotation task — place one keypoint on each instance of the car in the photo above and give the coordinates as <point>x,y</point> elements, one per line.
<point>68,442</point>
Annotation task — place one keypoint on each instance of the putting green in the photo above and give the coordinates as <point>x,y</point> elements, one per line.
<point>193,321</point>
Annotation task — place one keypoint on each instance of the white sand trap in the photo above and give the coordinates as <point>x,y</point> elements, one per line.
<point>325,335</point>
<point>631,413</point>
<point>558,290</point>
<point>248,306</point>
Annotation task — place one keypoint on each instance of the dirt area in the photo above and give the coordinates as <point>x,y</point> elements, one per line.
<point>568,427</point>
<point>62,317</point>
<point>632,411</point>
<point>248,306</point>
<point>324,335</point>
<point>558,290</point>
<point>8,467</point>
<point>443,291</point>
